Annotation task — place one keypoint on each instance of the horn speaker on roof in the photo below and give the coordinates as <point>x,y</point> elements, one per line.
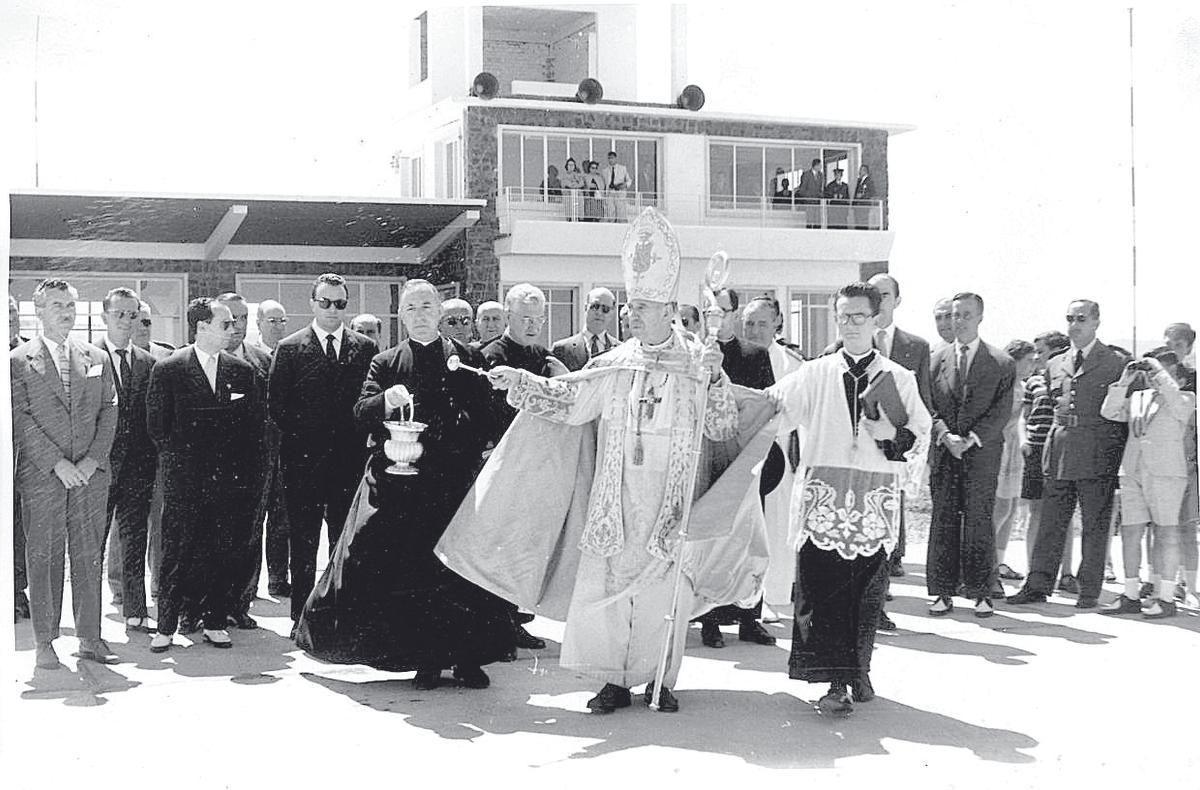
<point>691,98</point>
<point>485,85</point>
<point>590,91</point>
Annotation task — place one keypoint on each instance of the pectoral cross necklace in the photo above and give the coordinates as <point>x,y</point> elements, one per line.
<point>645,410</point>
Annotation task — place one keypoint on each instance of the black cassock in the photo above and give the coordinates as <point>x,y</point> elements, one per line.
<point>385,599</point>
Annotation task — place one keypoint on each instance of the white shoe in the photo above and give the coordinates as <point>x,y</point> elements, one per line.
<point>769,615</point>
<point>983,608</point>
<point>159,643</point>
<point>217,637</point>
<point>942,606</point>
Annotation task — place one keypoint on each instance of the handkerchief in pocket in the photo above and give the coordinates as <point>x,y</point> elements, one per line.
<point>236,395</point>
<point>94,371</point>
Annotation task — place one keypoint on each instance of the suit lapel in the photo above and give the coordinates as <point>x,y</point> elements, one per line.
<point>196,372</point>
<point>81,361</point>
<point>41,358</point>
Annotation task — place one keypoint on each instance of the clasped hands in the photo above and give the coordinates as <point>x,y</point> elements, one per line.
<point>75,475</point>
<point>957,445</point>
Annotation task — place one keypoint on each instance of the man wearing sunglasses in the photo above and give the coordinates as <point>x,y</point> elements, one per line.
<point>141,334</point>
<point>315,378</point>
<point>133,461</point>
<point>1080,459</point>
<point>456,320</point>
<point>596,337</point>
<point>205,412</point>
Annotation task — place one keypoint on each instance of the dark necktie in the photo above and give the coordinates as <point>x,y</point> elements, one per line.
<point>126,373</point>
<point>612,178</point>
<point>961,369</point>
<point>1078,361</point>
<point>330,351</point>
<point>595,345</point>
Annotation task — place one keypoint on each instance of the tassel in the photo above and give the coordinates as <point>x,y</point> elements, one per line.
<point>639,453</point>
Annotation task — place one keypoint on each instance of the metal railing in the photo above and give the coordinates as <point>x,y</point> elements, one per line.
<point>569,205</point>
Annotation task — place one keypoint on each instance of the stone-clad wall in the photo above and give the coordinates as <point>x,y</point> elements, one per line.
<point>482,267</point>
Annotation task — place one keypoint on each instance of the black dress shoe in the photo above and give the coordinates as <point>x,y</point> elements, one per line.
<point>1087,602</point>
<point>244,621</point>
<point>279,589</point>
<point>710,635</point>
<point>528,640</point>
<point>427,679</point>
<point>666,701</point>
<point>754,632</point>
<point>1122,605</point>
<point>1024,596</point>
<point>862,690</point>
<point>836,700</point>
<point>609,699</point>
<point>885,623</point>
<point>472,677</point>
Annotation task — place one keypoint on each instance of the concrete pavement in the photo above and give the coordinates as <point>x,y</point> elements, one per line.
<point>1032,694</point>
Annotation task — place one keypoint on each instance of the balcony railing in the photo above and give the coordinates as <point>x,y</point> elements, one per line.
<point>568,205</point>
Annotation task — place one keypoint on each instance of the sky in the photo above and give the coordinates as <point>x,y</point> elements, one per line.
<point>1014,184</point>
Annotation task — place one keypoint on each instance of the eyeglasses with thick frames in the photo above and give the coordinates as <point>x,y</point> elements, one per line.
<point>857,319</point>
<point>604,308</point>
<point>533,320</point>
<point>325,304</point>
<point>146,322</point>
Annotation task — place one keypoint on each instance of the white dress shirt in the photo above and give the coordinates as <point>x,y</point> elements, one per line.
<point>337,335</point>
<point>209,368</point>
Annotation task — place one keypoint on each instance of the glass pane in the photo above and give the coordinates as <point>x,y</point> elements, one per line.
<point>779,164</point>
<point>647,170</point>
<point>534,166</point>
<point>749,181</point>
<point>720,175</point>
<point>580,149</point>
<point>556,154</point>
<point>510,160</point>
<point>626,154</point>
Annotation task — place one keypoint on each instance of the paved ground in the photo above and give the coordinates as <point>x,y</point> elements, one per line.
<point>1035,694</point>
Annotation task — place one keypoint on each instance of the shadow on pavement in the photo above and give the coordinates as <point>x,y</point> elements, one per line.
<point>771,730</point>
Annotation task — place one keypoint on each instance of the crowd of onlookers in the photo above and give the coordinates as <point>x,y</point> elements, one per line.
<point>590,192</point>
<point>123,455</point>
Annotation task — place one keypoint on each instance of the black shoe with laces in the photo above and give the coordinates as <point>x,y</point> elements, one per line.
<point>754,632</point>
<point>527,640</point>
<point>710,635</point>
<point>836,700</point>
<point>666,701</point>
<point>471,676</point>
<point>609,699</point>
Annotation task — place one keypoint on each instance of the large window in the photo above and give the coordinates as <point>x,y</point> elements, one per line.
<point>745,174</point>
<point>164,294</point>
<point>526,156</point>
<point>809,322</point>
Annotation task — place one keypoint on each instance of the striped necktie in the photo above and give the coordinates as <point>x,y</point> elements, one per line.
<point>64,368</point>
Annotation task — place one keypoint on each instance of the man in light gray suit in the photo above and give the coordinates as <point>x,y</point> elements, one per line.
<point>64,420</point>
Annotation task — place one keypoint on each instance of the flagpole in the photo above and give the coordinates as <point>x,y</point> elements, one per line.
<point>1132,190</point>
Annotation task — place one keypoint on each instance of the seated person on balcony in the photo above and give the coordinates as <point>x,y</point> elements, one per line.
<point>864,190</point>
<point>809,193</point>
<point>616,181</point>
<point>551,188</point>
<point>593,186</point>
<point>837,192</point>
<point>782,194</point>
<point>572,182</point>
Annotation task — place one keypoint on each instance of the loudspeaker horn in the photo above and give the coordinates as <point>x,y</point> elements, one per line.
<point>485,85</point>
<point>590,91</point>
<point>691,98</point>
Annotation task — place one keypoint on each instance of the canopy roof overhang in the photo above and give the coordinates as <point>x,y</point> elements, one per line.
<point>50,224</point>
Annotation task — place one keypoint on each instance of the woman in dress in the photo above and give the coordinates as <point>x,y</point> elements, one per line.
<point>593,188</point>
<point>572,182</point>
<point>1012,462</point>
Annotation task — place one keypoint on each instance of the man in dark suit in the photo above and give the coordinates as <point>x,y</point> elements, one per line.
<point>20,580</point>
<point>748,365</point>
<point>64,409</point>
<point>314,383</point>
<point>272,327</point>
<point>809,193</point>
<point>133,461</point>
<point>837,193</point>
<point>386,600</point>
<point>205,413</point>
<point>864,193</point>
<point>1080,459</point>
<point>596,337</point>
<point>261,362</point>
<point>972,386</point>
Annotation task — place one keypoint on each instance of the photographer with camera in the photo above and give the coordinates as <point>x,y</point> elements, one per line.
<point>1153,474</point>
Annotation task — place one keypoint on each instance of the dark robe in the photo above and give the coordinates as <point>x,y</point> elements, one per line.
<point>506,351</point>
<point>385,600</point>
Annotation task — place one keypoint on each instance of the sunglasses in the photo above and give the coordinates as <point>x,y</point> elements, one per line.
<point>325,304</point>
<point>1078,319</point>
<point>456,321</point>
<point>121,314</point>
<point>146,322</point>
<point>606,309</point>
